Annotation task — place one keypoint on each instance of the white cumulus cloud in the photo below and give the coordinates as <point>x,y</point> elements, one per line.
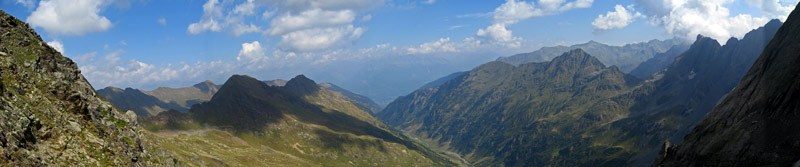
<point>320,24</point>
<point>57,45</point>
<point>687,18</point>
<point>67,17</point>
<point>499,33</point>
<point>208,22</point>
<point>320,38</point>
<point>241,29</point>
<point>246,8</point>
<point>619,18</point>
<point>251,52</point>
<point>513,11</point>
<point>442,45</point>
<point>774,8</point>
<point>309,19</point>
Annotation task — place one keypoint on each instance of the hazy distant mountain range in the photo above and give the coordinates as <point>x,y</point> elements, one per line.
<point>386,78</point>
<point>573,110</point>
<point>659,62</point>
<point>626,57</point>
<point>147,103</point>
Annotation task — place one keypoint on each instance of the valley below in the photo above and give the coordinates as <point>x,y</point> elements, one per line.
<point>665,103</point>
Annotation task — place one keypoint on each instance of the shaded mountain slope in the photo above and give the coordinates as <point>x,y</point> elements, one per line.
<point>136,100</point>
<point>149,103</point>
<point>756,124</point>
<point>659,62</point>
<point>186,96</point>
<point>625,57</point>
<point>277,82</point>
<point>51,116</point>
<point>501,115</point>
<point>299,123</point>
<point>666,108</point>
<point>362,102</point>
<point>442,80</point>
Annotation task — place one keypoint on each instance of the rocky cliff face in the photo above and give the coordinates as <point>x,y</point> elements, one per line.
<point>756,124</point>
<point>51,116</point>
<point>535,114</point>
<point>617,121</point>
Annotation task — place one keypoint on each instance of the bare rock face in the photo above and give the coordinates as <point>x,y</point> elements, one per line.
<point>757,123</point>
<point>51,116</point>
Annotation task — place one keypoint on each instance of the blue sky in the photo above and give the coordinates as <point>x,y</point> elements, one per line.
<point>146,43</point>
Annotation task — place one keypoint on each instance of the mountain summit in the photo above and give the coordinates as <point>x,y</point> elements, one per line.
<point>301,85</point>
<point>316,128</point>
<point>150,103</point>
<point>756,124</point>
<point>497,113</point>
<point>573,110</point>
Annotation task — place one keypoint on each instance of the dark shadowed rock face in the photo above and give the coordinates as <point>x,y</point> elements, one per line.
<point>659,62</point>
<point>301,86</point>
<point>51,116</point>
<point>679,97</point>
<point>620,122</point>
<point>245,105</point>
<point>134,99</point>
<point>757,123</point>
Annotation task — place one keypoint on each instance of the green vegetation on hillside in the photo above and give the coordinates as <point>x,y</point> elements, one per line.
<point>756,124</point>
<point>149,103</point>
<point>249,123</point>
<point>573,110</point>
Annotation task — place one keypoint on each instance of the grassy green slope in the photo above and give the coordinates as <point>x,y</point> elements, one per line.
<point>501,114</point>
<point>248,123</point>
<point>568,112</point>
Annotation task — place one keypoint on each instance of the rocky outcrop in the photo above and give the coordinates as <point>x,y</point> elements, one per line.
<point>51,116</point>
<point>534,114</point>
<point>756,124</point>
